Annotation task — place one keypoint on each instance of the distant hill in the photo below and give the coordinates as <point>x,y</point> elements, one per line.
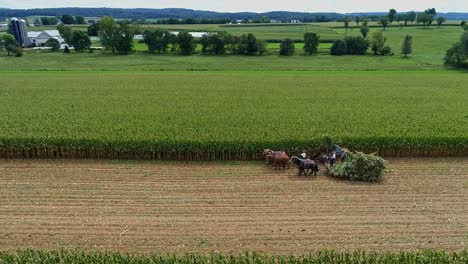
<point>180,13</point>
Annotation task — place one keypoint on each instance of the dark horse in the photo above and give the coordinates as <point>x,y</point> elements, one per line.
<point>304,165</point>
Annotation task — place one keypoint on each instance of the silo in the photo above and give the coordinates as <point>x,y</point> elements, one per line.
<point>20,31</point>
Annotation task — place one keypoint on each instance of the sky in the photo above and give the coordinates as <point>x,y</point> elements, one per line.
<point>341,6</point>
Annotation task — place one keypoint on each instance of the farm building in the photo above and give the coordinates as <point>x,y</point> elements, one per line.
<point>39,38</point>
<point>20,31</point>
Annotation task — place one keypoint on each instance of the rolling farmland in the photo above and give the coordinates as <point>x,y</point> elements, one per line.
<point>146,158</point>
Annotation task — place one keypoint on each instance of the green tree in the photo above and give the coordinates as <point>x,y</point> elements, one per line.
<point>422,19</point>
<point>66,50</point>
<point>265,19</point>
<point>384,22</point>
<point>431,11</point>
<point>346,21</point>
<point>107,28</point>
<point>399,18</point>
<point>157,40</point>
<point>377,42</point>
<point>68,19</point>
<point>212,43</point>
<point>256,20</point>
<point>44,21</point>
<point>440,21</point>
<point>261,47</point>
<point>464,42</point>
<point>53,44</point>
<point>80,20</point>
<point>357,20</point>
<point>65,33</point>
<point>9,43</point>
<point>186,43</point>
<point>427,17</point>
<point>47,21</point>
<point>455,56</point>
<point>364,30</point>
<point>80,40</point>
<point>17,50</point>
<point>365,22</point>
<point>405,18</point>
<point>407,47</point>
<point>93,29</point>
<point>392,15</point>
<point>232,42</point>
<point>248,44</point>
<point>338,48</point>
<point>411,16</point>
<point>356,45</point>
<point>122,38</point>
<point>311,43</point>
<point>287,47</point>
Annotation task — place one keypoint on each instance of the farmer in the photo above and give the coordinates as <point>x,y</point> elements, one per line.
<point>332,159</point>
<point>303,155</point>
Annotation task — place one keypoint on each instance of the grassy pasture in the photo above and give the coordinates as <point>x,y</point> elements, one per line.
<point>98,61</point>
<point>429,46</point>
<point>235,110</point>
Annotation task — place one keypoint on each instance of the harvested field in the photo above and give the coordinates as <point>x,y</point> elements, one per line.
<point>233,207</point>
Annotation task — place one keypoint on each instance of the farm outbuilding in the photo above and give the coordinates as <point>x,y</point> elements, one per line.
<point>39,38</point>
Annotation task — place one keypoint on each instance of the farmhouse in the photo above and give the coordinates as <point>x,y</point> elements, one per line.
<point>39,38</point>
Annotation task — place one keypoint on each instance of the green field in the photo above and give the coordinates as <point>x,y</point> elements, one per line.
<point>236,111</point>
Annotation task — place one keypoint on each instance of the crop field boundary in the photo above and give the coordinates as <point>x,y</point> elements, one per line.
<point>188,155</point>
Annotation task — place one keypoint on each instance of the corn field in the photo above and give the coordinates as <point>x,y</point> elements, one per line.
<point>80,257</point>
<point>230,115</point>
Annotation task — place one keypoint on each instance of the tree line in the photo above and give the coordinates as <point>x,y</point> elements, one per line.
<point>426,18</point>
<point>165,42</point>
<point>65,19</point>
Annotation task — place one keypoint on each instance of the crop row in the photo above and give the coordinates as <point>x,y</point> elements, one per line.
<point>77,257</point>
<point>230,115</point>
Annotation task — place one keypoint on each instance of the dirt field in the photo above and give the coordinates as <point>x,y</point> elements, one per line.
<point>235,207</point>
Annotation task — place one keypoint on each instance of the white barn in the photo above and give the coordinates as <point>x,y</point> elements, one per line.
<point>39,38</point>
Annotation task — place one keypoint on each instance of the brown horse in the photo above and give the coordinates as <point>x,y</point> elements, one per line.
<point>280,159</point>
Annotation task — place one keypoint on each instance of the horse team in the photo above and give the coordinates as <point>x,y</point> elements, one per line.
<point>279,159</point>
